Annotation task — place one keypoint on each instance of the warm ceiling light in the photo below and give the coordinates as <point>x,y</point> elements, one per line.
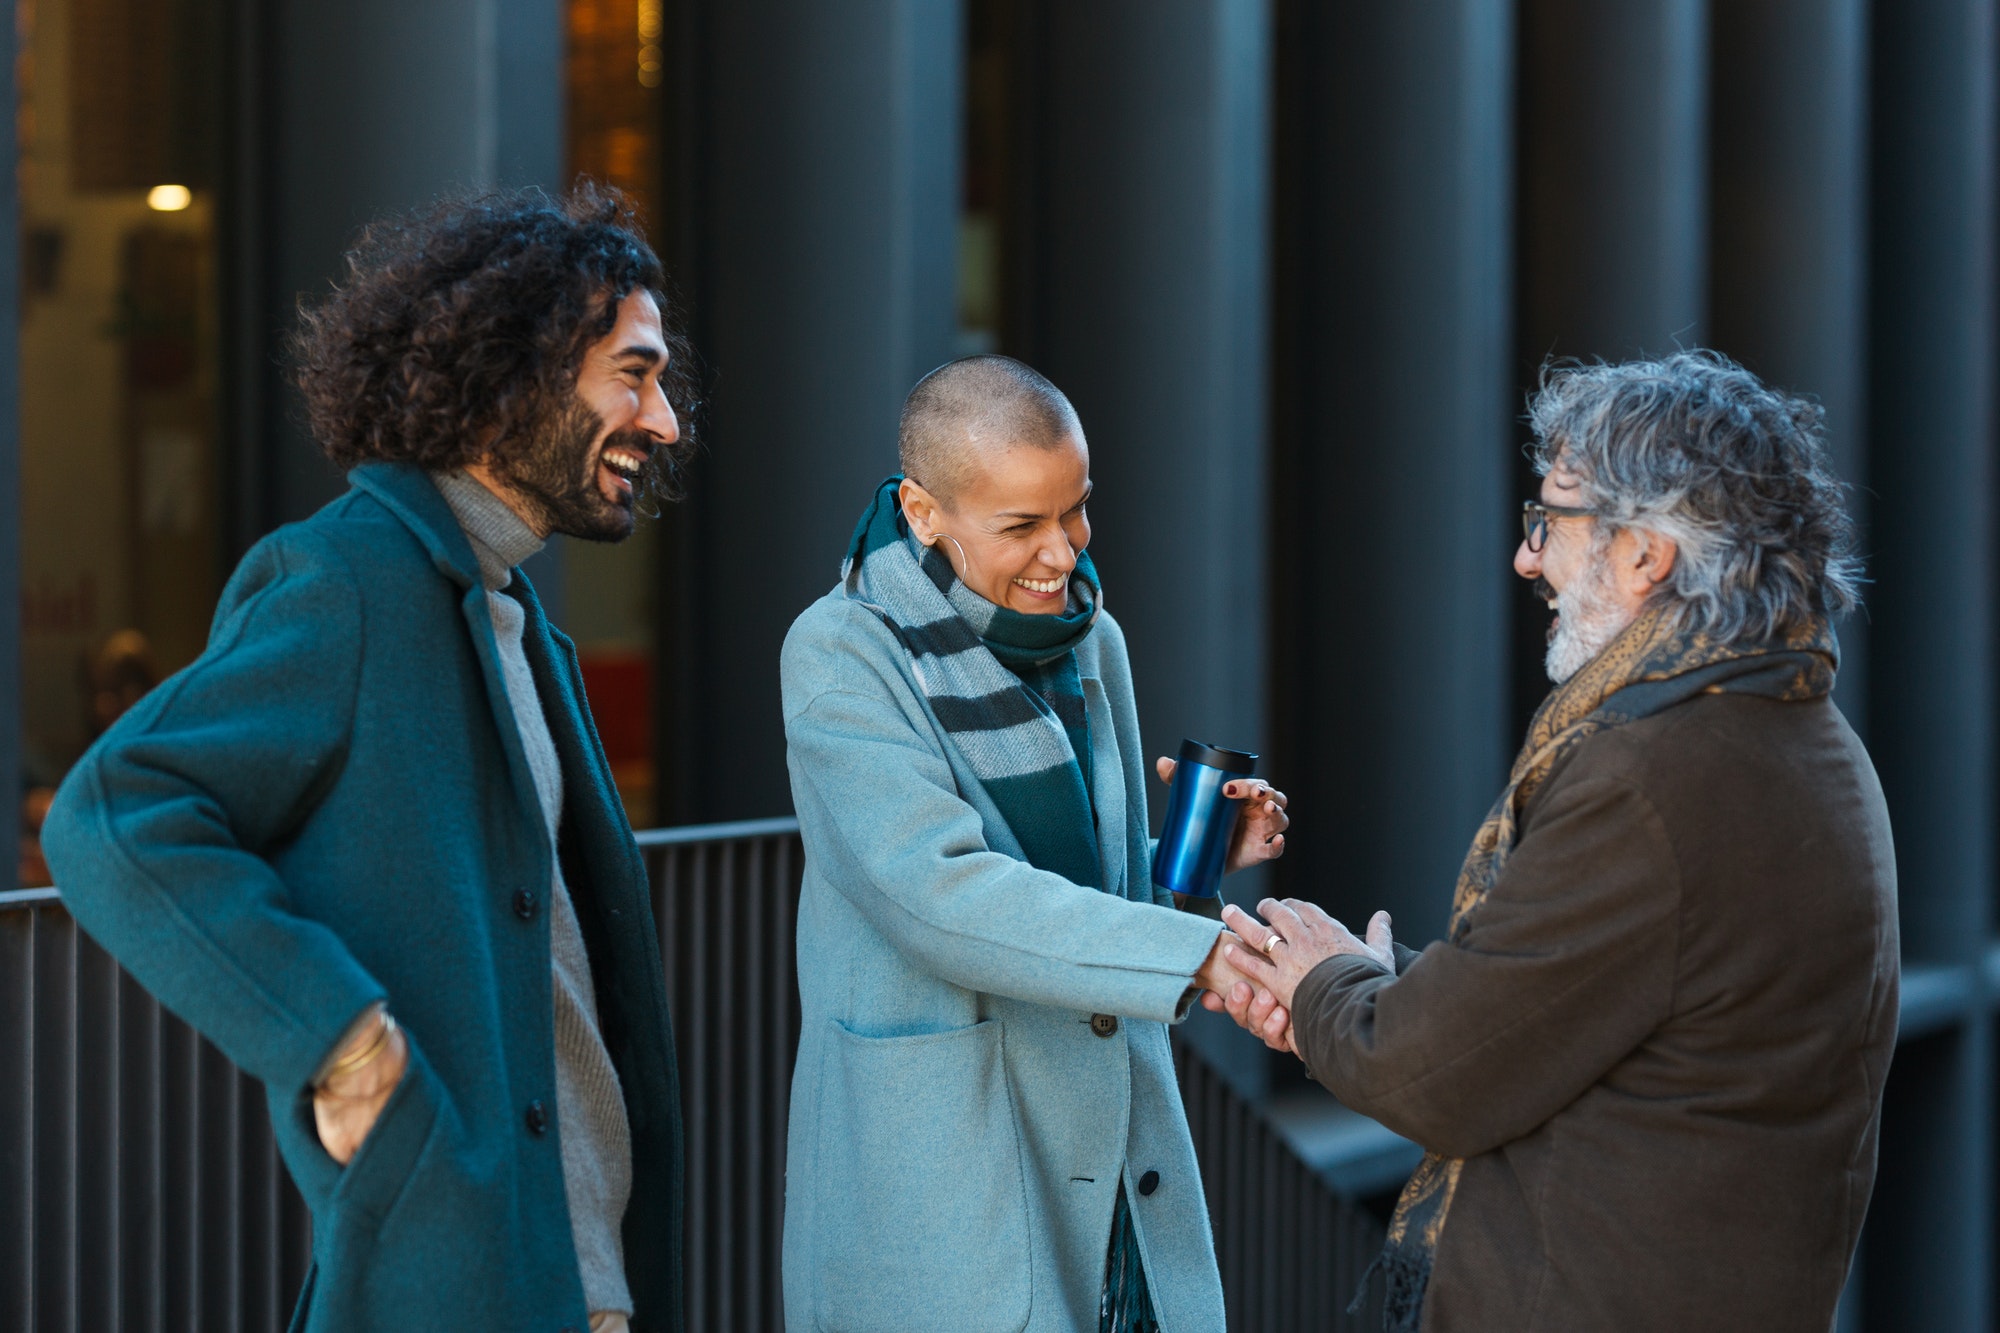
<point>169,198</point>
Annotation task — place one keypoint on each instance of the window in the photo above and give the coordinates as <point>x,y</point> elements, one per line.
<point>616,67</point>
<point>118,124</point>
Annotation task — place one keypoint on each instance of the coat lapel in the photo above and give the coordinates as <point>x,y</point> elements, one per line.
<point>1107,783</point>
<point>410,494</point>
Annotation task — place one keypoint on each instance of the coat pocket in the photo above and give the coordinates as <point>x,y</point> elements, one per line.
<point>921,1209</point>
<point>381,1168</point>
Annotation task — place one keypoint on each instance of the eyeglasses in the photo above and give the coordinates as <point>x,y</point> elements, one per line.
<point>1535,518</point>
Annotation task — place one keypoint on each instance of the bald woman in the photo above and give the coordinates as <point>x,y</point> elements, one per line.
<point>985,1129</point>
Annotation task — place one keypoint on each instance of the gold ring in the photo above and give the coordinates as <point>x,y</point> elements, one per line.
<point>1272,943</point>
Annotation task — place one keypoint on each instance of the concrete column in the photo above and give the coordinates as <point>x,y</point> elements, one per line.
<point>831,214</point>
<point>1613,176</point>
<point>1930,704</point>
<point>1152,316</point>
<point>1789,227</point>
<point>379,106</point>
<point>1931,465</point>
<point>1613,206</point>
<point>1154,323</point>
<point>1395,476</point>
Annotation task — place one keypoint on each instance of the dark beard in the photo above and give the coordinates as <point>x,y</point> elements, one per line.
<point>556,474</point>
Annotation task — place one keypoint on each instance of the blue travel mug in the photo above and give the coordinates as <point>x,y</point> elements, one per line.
<point>1200,821</point>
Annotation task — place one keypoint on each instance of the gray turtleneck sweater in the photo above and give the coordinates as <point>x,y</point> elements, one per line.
<point>590,1105</point>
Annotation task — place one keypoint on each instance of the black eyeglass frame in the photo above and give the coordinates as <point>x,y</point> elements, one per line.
<point>1535,518</point>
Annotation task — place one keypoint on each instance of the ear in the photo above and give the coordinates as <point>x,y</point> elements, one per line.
<point>1651,563</point>
<point>920,508</point>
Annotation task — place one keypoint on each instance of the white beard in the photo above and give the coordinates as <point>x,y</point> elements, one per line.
<point>1587,621</point>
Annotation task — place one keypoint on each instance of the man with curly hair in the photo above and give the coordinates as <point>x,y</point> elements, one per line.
<point>368,843</point>
<point>1647,1060</point>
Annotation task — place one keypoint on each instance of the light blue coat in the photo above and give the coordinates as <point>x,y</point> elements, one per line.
<point>958,1125</point>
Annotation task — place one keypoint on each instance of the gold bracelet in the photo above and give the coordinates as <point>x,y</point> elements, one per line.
<point>347,1064</point>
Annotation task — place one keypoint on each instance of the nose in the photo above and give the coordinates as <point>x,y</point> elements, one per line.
<point>656,414</point>
<point>1057,551</point>
<point>1528,564</point>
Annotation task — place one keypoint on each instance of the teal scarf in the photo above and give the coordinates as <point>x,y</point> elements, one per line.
<point>1002,684</point>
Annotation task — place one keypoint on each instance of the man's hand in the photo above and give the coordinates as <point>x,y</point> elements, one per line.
<point>346,1106</point>
<point>1260,834</point>
<point>1275,954</point>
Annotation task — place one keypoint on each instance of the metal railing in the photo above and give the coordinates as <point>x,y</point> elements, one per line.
<point>140,1188</point>
<point>139,1185</point>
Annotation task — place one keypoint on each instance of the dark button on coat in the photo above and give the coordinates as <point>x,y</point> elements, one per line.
<point>331,807</point>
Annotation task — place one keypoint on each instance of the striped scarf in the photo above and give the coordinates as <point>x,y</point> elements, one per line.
<point>1647,669</point>
<point>1004,685</point>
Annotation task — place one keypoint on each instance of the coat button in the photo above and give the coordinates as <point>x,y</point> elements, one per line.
<point>525,904</point>
<point>538,1119</point>
<point>1104,1025</point>
<point>1149,1182</point>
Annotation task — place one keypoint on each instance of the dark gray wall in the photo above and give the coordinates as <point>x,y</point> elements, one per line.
<point>1613,215</point>
<point>1613,176</point>
<point>1931,697</point>
<point>1395,450</point>
<point>377,106</point>
<point>1931,466</point>
<point>1155,315</point>
<point>1153,190</point>
<point>1788,232</point>
<point>832,198</point>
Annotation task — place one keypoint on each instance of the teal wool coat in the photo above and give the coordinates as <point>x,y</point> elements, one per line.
<point>332,807</point>
<point>964,1106</point>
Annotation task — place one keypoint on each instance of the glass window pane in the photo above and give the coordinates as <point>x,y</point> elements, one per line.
<point>119,125</point>
<point>616,72</point>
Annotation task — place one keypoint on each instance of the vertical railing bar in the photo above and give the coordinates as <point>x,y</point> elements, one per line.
<point>693,959</point>
<point>94,1123</point>
<point>55,1277</point>
<point>751,985</point>
<point>726,903</point>
<point>19,991</point>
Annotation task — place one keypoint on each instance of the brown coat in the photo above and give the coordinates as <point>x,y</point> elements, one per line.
<point>1660,1044</point>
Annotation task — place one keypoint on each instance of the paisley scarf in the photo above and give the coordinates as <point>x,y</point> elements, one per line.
<point>1650,667</point>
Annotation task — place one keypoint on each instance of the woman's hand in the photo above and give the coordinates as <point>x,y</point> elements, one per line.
<point>1256,1012</point>
<point>1260,834</point>
<point>346,1106</point>
<point>1215,975</point>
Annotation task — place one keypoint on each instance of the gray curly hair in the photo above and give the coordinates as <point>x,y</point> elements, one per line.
<point>1697,449</point>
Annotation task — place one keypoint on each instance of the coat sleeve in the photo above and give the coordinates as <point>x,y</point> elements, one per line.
<point>157,836</point>
<point>882,811</point>
<point>1565,968</point>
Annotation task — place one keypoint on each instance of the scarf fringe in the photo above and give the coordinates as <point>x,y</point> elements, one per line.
<point>1404,1281</point>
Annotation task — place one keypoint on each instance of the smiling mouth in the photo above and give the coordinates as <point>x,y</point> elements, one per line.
<point>624,466</point>
<point>1043,587</point>
<point>1548,596</point>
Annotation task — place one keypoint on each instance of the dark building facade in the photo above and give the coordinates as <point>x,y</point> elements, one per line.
<point>1297,262</point>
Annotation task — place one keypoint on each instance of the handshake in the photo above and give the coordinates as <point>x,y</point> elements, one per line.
<point>1257,964</point>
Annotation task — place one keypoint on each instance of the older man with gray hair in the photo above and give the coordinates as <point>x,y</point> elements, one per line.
<point>1646,1064</point>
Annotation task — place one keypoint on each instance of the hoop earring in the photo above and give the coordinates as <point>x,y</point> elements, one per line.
<point>961,550</point>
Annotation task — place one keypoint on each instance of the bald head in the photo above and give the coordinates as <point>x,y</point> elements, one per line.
<point>966,410</point>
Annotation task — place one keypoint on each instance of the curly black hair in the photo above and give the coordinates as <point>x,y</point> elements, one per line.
<point>460,325</point>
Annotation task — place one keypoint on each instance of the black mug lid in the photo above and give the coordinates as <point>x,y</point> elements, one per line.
<point>1229,761</point>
